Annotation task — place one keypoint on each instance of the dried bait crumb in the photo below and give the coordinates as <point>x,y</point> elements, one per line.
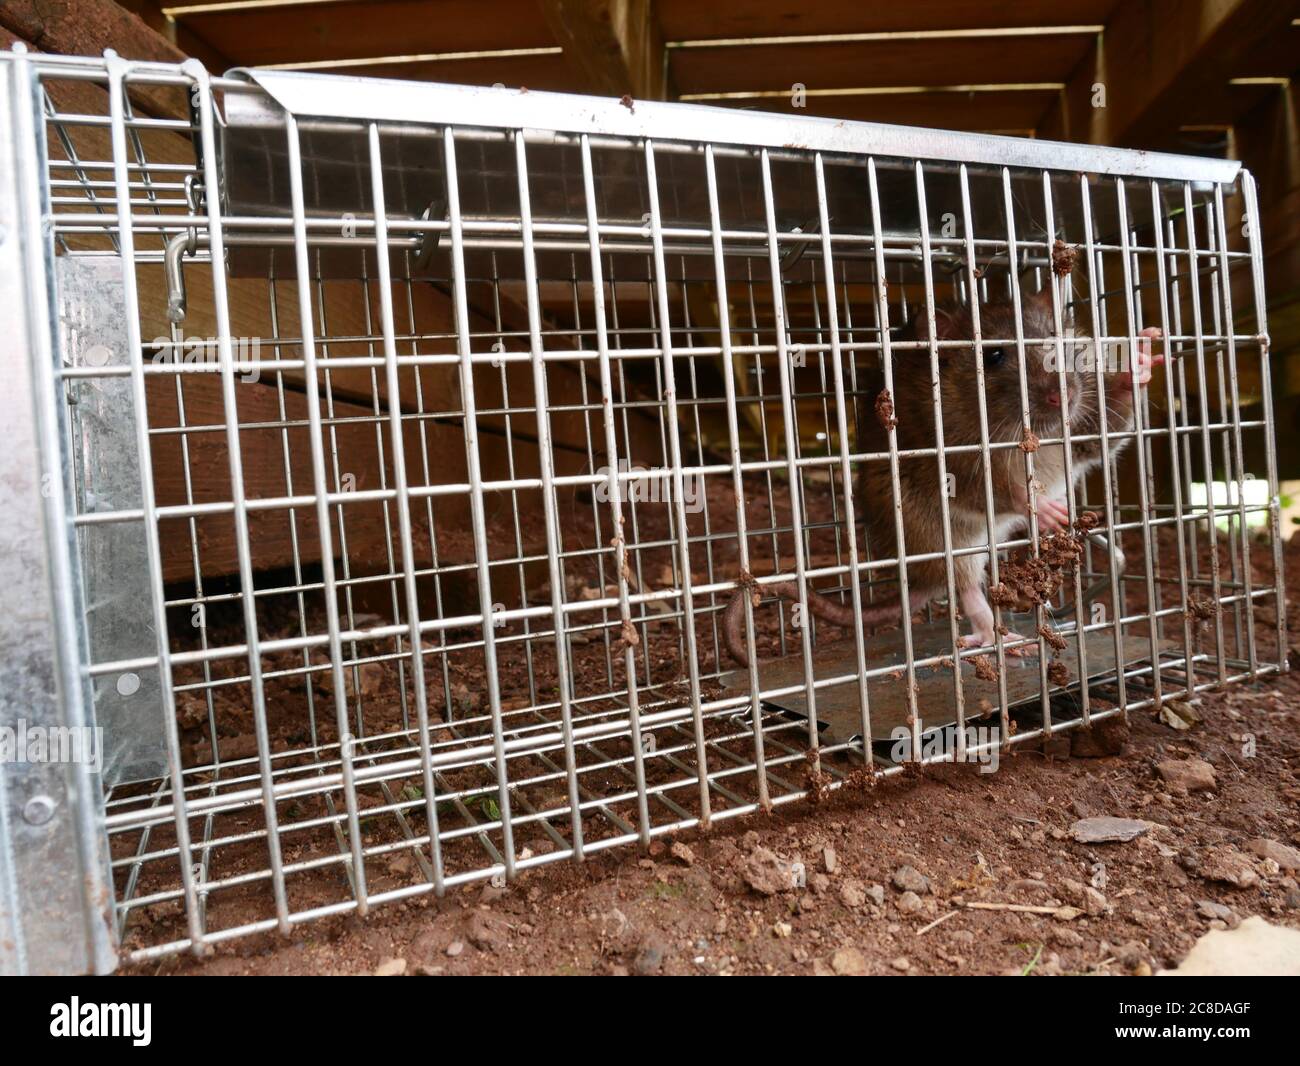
<point>1001,596</point>
<point>748,581</point>
<point>985,668</point>
<point>818,781</point>
<point>885,410</point>
<point>1063,258</point>
<point>1054,639</point>
<point>1201,609</point>
<point>1058,673</point>
<point>1087,521</point>
<point>630,637</point>
<point>1029,442</point>
<point>946,663</point>
<point>627,102</point>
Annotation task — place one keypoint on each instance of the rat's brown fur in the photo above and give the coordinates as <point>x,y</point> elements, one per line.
<point>920,489</point>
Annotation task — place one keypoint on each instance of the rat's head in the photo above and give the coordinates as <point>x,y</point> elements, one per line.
<point>959,379</point>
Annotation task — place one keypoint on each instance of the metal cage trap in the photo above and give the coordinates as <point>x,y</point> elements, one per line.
<point>388,460</point>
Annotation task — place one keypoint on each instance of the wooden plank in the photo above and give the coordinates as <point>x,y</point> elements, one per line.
<point>85,27</point>
<point>368,28</point>
<point>616,44</point>
<point>1155,58</point>
<point>974,61</point>
<point>956,111</point>
<point>549,72</point>
<point>150,12</point>
<point>691,20</point>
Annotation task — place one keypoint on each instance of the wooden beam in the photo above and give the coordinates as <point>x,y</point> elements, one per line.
<point>150,12</point>
<point>616,45</point>
<point>86,27</point>
<point>1155,58</point>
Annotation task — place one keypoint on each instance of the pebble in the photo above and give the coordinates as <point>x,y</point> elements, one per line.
<point>829,861</point>
<point>849,962</point>
<point>682,853</point>
<point>901,964</point>
<point>876,893</point>
<point>909,879</point>
<point>1228,867</point>
<point>391,968</point>
<point>851,894</point>
<point>766,873</point>
<point>909,902</point>
<point>455,948</point>
<point>1187,775</point>
<point>649,957</point>
<point>1105,829</point>
<point>1218,911</point>
<point>1287,857</point>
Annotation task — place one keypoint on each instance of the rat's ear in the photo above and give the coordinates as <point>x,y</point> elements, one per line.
<point>950,323</point>
<point>1042,300</point>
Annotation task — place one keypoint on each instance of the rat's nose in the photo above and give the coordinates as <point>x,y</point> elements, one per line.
<point>1054,398</point>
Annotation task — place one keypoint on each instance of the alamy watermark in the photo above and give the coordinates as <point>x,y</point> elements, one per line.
<point>38,744</point>
<point>651,485</point>
<point>205,354</point>
<point>983,745</point>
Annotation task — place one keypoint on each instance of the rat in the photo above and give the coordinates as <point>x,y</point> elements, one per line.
<point>919,487</point>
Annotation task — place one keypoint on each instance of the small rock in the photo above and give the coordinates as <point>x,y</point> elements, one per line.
<point>455,948</point>
<point>1067,937</point>
<point>1187,775</point>
<point>849,962</point>
<point>1218,912</point>
<point>1030,888</point>
<point>1287,857</point>
<point>852,895</point>
<point>901,964</point>
<point>682,853</point>
<point>819,883</point>
<point>486,931</point>
<point>782,930</point>
<point>1253,949</point>
<point>391,968</point>
<point>909,879</point>
<point>1087,897</point>
<point>649,957</point>
<point>829,861</point>
<point>1104,739</point>
<point>876,893</point>
<point>1106,829</point>
<point>1093,901</point>
<point>1229,867</point>
<point>909,902</point>
<point>766,873</point>
<point>1133,956</point>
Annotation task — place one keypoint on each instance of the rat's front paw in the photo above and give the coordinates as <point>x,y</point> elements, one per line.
<point>1053,515</point>
<point>1143,360</point>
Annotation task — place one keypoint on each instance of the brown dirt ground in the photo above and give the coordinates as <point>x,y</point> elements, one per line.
<point>992,839</point>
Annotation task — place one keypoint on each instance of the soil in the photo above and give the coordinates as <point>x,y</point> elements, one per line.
<point>918,874</point>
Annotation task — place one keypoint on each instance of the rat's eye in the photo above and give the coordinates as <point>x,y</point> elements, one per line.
<point>994,356</point>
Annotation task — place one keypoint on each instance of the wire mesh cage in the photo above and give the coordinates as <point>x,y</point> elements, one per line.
<point>426,483</point>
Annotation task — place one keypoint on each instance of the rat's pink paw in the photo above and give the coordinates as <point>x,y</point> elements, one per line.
<point>985,640</point>
<point>1143,359</point>
<point>1053,515</point>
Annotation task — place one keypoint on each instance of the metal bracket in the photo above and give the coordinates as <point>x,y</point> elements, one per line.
<point>56,889</point>
<point>119,616</point>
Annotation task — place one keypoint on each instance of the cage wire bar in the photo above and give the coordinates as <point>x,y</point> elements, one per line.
<point>393,458</point>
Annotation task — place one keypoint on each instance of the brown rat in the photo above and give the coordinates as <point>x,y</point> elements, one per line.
<point>920,489</point>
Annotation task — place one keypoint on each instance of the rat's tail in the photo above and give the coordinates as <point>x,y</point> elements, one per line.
<point>823,607</point>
